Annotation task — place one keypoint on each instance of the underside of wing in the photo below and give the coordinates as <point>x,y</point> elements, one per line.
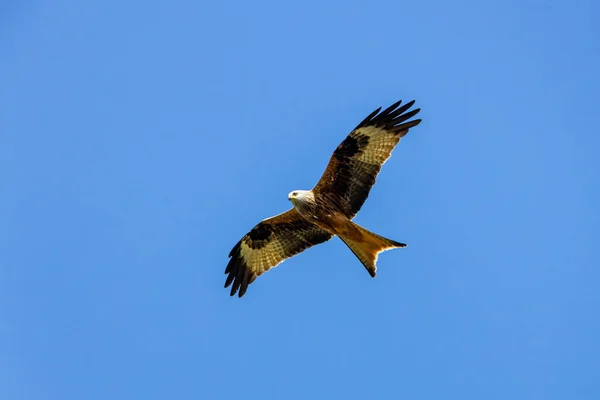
<point>356,162</point>
<point>268,244</point>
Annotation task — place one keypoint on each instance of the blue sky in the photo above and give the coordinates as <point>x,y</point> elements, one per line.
<point>140,140</point>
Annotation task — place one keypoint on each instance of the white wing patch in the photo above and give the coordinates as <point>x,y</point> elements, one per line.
<point>380,146</point>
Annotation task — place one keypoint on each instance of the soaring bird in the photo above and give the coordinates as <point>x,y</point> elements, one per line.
<point>327,209</point>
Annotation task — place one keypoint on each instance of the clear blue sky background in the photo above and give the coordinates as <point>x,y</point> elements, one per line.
<point>140,140</point>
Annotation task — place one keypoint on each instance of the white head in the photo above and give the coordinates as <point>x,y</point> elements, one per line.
<point>298,196</point>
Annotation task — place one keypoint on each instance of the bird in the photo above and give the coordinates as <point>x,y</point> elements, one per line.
<point>327,210</point>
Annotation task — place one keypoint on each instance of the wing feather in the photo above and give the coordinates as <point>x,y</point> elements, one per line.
<point>269,243</point>
<point>353,168</point>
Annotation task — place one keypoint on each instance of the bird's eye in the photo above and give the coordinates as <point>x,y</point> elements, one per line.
<point>295,194</point>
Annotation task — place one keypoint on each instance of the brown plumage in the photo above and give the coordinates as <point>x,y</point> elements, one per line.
<point>327,209</point>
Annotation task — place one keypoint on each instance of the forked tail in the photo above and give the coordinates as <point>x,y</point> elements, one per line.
<point>367,245</point>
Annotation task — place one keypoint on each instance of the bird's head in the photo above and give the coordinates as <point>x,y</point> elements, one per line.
<point>297,195</point>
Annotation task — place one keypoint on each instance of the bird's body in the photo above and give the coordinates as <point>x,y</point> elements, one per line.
<point>322,213</point>
<point>327,210</point>
<point>314,209</point>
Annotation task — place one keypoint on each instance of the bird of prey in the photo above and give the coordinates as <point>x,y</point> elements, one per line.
<point>328,209</point>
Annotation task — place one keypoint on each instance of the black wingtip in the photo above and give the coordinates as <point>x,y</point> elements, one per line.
<point>392,107</point>
<point>369,117</point>
<point>392,117</point>
<point>239,276</point>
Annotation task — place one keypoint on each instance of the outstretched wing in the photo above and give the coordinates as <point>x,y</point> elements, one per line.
<point>268,244</point>
<point>355,163</point>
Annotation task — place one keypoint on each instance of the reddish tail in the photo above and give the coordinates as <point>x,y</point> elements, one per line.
<point>367,245</point>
